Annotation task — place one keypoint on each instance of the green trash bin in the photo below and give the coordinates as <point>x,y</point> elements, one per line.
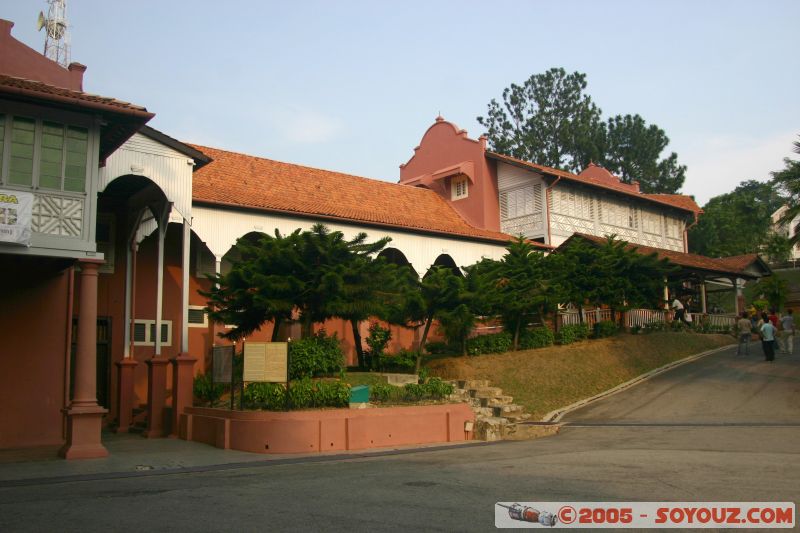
<point>359,394</point>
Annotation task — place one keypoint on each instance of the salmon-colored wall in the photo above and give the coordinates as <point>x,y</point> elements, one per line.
<point>326,430</point>
<point>445,145</point>
<point>33,326</point>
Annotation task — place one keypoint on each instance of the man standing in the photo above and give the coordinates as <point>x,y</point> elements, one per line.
<point>768,340</point>
<point>745,328</point>
<point>787,333</point>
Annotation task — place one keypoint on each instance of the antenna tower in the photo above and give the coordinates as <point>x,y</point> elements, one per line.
<point>56,40</point>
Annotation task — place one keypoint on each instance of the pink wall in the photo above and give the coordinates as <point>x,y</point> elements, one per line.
<point>21,61</point>
<point>326,430</point>
<point>443,146</point>
<point>33,326</point>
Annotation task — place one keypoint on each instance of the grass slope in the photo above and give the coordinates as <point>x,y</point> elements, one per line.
<point>548,378</point>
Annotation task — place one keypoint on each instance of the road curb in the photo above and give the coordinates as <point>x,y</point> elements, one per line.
<point>555,416</point>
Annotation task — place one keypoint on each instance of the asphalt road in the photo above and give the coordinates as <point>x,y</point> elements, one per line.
<point>720,429</point>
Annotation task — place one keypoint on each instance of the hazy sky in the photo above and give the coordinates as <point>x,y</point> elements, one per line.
<point>352,85</point>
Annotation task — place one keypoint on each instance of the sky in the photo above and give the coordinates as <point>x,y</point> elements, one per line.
<point>352,86</point>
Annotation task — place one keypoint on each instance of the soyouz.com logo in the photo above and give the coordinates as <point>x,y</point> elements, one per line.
<point>653,515</point>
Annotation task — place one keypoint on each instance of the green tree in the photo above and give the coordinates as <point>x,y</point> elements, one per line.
<point>788,180</point>
<point>441,291</point>
<point>548,119</point>
<point>613,274</point>
<point>737,222</point>
<point>261,286</point>
<point>632,151</point>
<point>514,287</point>
<point>318,272</point>
<point>775,290</point>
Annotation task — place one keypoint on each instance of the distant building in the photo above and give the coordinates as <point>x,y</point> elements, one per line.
<point>788,230</point>
<point>501,193</point>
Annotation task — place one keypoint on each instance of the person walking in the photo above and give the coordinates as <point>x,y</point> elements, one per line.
<point>677,307</point>
<point>762,319</point>
<point>787,332</point>
<point>768,340</point>
<point>775,321</point>
<point>745,328</point>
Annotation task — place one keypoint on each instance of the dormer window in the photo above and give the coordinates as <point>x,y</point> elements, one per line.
<point>458,188</point>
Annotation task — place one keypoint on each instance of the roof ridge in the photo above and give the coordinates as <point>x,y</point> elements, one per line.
<point>308,167</point>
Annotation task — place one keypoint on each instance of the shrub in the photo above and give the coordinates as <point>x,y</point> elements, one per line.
<point>381,392</point>
<point>403,361</point>
<point>330,394</point>
<point>536,338</point>
<point>414,392</point>
<point>572,333</point>
<point>301,393</point>
<point>492,343</point>
<point>320,354</point>
<point>437,389</point>
<point>438,348</point>
<point>270,396</point>
<point>605,328</point>
<point>206,390</point>
<point>377,340</point>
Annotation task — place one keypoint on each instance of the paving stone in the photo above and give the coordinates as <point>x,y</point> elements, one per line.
<point>486,392</point>
<point>497,400</point>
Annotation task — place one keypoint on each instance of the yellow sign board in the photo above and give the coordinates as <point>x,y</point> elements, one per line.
<point>266,361</point>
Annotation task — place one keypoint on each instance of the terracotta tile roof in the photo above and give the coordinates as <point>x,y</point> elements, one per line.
<point>693,261</point>
<point>20,86</point>
<point>742,262</point>
<point>679,201</point>
<point>122,119</point>
<point>239,180</point>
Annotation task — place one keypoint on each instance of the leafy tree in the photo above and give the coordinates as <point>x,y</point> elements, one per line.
<point>777,247</point>
<point>775,289</point>
<point>632,151</point>
<point>613,274</point>
<point>441,291</point>
<point>788,180</point>
<point>548,119</point>
<point>261,286</point>
<point>514,287</point>
<point>317,272</point>
<point>737,222</point>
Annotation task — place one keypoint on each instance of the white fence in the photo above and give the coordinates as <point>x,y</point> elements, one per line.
<point>643,317</point>
<point>590,317</point>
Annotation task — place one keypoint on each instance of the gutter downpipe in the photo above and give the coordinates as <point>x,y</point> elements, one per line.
<point>68,347</point>
<point>686,233</point>
<point>547,207</point>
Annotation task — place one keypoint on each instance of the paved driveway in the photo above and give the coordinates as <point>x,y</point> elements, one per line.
<point>723,389</point>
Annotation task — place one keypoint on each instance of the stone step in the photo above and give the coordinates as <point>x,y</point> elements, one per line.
<point>490,428</point>
<point>473,402</point>
<point>497,400</point>
<point>486,392</point>
<point>517,417</point>
<point>460,394</point>
<point>527,431</point>
<point>505,410</point>
<point>483,411</point>
<point>473,383</point>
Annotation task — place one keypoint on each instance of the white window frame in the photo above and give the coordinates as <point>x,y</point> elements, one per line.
<point>149,341</point>
<point>456,184</point>
<point>204,324</point>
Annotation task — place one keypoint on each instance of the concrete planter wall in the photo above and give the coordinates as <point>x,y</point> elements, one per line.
<point>325,430</point>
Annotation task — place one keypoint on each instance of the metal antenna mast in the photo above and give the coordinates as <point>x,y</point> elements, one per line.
<point>56,41</point>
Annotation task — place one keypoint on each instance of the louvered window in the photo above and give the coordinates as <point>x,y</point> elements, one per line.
<point>521,201</point>
<point>197,317</point>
